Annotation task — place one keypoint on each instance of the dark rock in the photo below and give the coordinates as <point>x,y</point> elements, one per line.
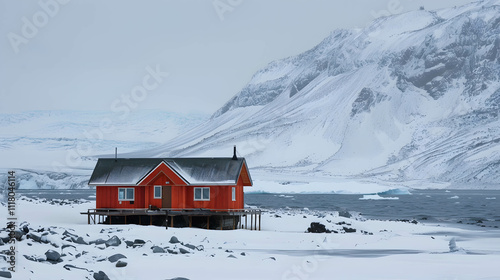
<point>129,243</point>
<point>5,274</point>
<point>30,258</point>
<point>174,240</point>
<point>100,276</point>
<point>192,247</point>
<point>139,242</point>
<point>243,254</point>
<point>183,251</point>
<point>25,229</point>
<point>317,228</point>
<point>52,255</point>
<point>79,240</point>
<point>66,246</point>
<point>19,235</point>
<point>67,233</point>
<point>113,241</point>
<point>34,237</point>
<point>178,278</point>
<point>98,241</point>
<point>348,230</point>
<point>116,257</point>
<point>157,249</point>
<point>172,251</point>
<point>70,266</point>
<point>232,256</point>
<point>121,264</point>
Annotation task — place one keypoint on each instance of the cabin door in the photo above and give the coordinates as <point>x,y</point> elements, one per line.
<point>166,197</point>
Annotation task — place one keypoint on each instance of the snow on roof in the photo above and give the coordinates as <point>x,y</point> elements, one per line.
<point>195,171</point>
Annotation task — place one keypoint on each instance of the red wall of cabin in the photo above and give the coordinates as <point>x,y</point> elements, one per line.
<point>182,195</point>
<point>107,197</point>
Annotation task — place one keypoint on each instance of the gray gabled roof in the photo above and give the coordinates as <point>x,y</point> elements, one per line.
<point>194,171</point>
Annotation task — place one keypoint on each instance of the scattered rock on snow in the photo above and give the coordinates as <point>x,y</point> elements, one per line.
<point>121,264</point>
<point>116,257</point>
<point>79,240</point>
<point>157,249</point>
<point>70,266</point>
<point>318,228</point>
<point>100,276</point>
<point>113,241</point>
<point>98,241</point>
<point>53,256</point>
<point>183,251</point>
<point>174,240</point>
<point>348,230</point>
<point>5,274</point>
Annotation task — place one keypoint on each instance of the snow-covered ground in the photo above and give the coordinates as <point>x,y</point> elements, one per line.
<point>281,250</point>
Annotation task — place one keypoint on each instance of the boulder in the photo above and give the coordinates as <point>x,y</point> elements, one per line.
<point>121,264</point>
<point>100,276</point>
<point>318,228</point>
<point>79,240</point>
<point>113,241</point>
<point>183,251</point>
<point>53,256</point>
<point>5,274</point>
<point>157,249</point>
<point>174,240</point>
<point>116,257</point>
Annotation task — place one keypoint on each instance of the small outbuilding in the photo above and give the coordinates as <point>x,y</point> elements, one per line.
<point>142,188</point>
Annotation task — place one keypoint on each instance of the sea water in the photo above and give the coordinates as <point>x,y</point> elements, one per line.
<point>468,207</point>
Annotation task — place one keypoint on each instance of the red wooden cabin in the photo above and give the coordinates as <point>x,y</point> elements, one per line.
<point>170,183</point>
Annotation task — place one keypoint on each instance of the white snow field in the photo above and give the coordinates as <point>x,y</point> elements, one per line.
<point>281,250</point>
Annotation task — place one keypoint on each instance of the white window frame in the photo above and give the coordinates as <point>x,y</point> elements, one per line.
<point>233,193</point>
<point>125,190</point>
<point>154,192</point>
<point>202,192</point>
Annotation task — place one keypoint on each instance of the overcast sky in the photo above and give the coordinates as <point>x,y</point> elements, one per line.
<point>115,54</point>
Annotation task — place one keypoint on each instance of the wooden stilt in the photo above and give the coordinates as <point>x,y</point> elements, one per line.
<point>171,221</point>
<point>260,219</point>
<point>190,221</point>
<point>251,221</point>
<point>208,222</point>
<point>88,213</point>
<point>221,221</point>
<point>150,220</point>
<point>126,220</point>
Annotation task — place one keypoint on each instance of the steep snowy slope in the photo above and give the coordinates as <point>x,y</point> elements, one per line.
<point>412,96</point>
<point>57,149</point>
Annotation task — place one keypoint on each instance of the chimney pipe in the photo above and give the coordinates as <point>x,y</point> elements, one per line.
<point>234,153</point>
<point>116,154</point>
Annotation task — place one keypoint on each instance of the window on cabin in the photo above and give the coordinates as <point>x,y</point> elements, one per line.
<point>202,194</point>
<point>157,191</point>
<point>126,194</point>
<point>233,193</point>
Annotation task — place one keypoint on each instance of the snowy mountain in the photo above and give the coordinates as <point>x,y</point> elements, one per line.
<point>58,149</point>
<point>411,97</point>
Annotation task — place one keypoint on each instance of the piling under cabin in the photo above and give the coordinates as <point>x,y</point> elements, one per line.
<point>175,192</point>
